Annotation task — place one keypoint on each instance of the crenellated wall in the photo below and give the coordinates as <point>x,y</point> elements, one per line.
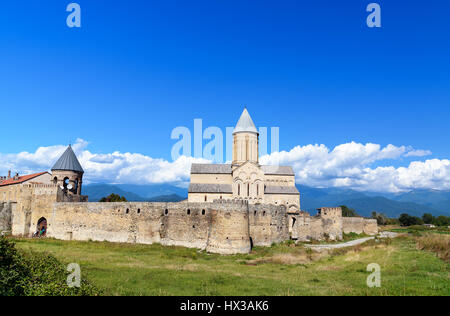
<point>222,226</point>
<point>329,224</point>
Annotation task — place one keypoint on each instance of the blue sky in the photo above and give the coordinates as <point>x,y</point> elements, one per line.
<point>137,69</point>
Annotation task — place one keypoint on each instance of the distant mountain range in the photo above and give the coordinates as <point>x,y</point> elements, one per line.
<point>414,203</point>
<point>136,193</point>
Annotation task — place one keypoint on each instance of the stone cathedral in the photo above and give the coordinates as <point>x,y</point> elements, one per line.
<point>245,178</point>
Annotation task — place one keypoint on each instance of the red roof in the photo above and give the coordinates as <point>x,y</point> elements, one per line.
<point>21,179</point>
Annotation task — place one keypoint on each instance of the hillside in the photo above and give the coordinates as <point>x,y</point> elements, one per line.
<point>439,200</point>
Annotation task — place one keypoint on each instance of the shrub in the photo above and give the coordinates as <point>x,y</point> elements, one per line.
<point>14,273</point>
<point>438,243</point>
<point>35,274</point>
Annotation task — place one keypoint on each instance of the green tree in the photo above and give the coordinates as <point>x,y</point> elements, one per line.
<point>113,198</point>
<point>348,212</point>
<point>427,218</point>
<point>417,221</point>
<point>408,220</point>
<point>392,221</point>
<point>442,221</point>
<point>380,217</point>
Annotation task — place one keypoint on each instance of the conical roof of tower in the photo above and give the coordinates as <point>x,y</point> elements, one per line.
<point>245,123</point>
<point>68,161</point>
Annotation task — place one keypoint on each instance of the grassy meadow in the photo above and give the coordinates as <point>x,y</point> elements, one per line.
<point>408,267</point>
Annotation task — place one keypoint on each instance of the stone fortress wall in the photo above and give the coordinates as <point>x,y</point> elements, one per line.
<point>222,226</point>
<point>359,225</point>
<point>6,209</point>
<point>329,224</point>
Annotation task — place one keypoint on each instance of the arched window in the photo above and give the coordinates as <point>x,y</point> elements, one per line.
<point>248,189</point>
<point>66,182</point>
<point>206,198</point>
<point>239,189</point>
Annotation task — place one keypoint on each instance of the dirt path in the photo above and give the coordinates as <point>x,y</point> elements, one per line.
<point>350,243</point>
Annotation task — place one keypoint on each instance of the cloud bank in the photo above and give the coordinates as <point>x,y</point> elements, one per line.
<point>349,165</point>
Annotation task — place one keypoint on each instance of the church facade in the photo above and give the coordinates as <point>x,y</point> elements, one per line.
<point>244,178</point>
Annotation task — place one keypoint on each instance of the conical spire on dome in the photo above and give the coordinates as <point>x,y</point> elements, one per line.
<point>245,123</point>
<point>68,161</point>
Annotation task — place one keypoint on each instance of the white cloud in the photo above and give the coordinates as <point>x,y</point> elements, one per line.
<point>418,153</point>
<point>116,167</point>
<point>347,165</point>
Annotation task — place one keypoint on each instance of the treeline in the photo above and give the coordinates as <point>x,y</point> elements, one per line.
<point>113,198</point>
<point>408,220</point>
<point>403,220</point>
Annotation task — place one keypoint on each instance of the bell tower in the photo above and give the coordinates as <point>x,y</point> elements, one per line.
<point>68,173</point>
<point>245,141</point>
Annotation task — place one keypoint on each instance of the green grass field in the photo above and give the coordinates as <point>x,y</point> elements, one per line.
<point>287,269</point>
